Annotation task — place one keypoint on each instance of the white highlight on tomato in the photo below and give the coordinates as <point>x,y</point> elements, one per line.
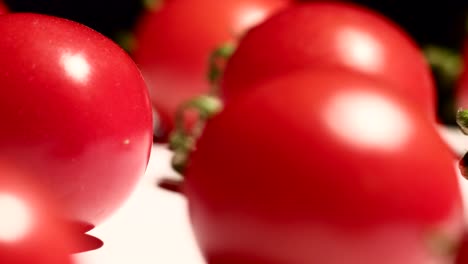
<point>76,66</point>
<point>250,17</point>
<point>360,50</point>
<point>368,120</point>
<point>15,218</point>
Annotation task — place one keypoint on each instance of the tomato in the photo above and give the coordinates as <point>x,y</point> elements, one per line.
<point>323,166</point>
<point>174,43</point>
<point>75,109</point>
<point>3,8</point>
<point>30,227</point>
<point>331,35</point>
<point>462,251</point>
<point>461,93</point>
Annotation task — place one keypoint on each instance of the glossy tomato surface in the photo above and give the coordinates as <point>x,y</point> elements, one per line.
<point>75,109</point>
<point>31,230</point>
<point>174,43</point>
<point>3,8</point>
<point>323,167</point>
<point>331,34</point>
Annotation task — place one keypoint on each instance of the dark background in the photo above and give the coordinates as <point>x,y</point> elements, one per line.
<point>440,23</point>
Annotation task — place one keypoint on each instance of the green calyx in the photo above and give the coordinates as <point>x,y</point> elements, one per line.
<point>182,142</point>
<point>216,63</point>
<point>462,120</point>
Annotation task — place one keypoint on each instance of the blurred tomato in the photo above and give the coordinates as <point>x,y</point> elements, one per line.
<point>462,251</point>
<point>323,166</point>
<point>75,110</point>
<point>31,227</point>
<point>174,43</point>
<point>331,35</point>
<point>3,8</point>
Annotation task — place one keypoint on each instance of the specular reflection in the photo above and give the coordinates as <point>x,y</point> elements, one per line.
<point>360,49</point>
<point>76,66</point>
<point>368,120</point>
<point>15,218</point>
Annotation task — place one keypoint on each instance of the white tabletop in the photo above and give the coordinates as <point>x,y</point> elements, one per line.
<point>153,227</point>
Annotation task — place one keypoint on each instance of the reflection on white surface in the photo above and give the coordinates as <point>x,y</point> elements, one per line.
<point>367,119</point>
<point>15,218</point>
<point>76,66</point>
<point>360,49</point>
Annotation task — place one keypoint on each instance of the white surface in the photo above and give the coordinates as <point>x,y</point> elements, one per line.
<point>153,227</point>
<point>455,138</point>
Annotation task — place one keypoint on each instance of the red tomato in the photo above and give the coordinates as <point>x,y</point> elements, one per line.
<point>462,251</point>
<point>30,227</point>
<point>462,86</point>
<point>75,109</point>
<point>331,35</point>
<point>173,45</point>
<point>3,8</point>
<point>323,167</point>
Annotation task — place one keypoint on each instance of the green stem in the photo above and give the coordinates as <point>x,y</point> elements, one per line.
<point>182,142</point>
<point>216,64</point>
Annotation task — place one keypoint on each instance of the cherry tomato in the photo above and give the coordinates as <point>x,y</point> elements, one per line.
<point>331,35</point>
<point>323,166</point>
<point>174,43</point>
<point>31,230</point>
<point>3,8</point>
<point>75,109</point>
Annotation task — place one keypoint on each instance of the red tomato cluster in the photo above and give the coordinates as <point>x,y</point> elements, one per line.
<point>326,149</point>
<point>332,35</point>
<point>317,145</point>
<point>323,166</point>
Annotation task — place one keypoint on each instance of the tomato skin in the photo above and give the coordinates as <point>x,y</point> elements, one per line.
<point>173,45</point>
<point>75,109</point>
<point>462,251</point>
<point>331,35</point>
<point>39,235</point>
<point>3,8</point>
<point>300,171</point>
